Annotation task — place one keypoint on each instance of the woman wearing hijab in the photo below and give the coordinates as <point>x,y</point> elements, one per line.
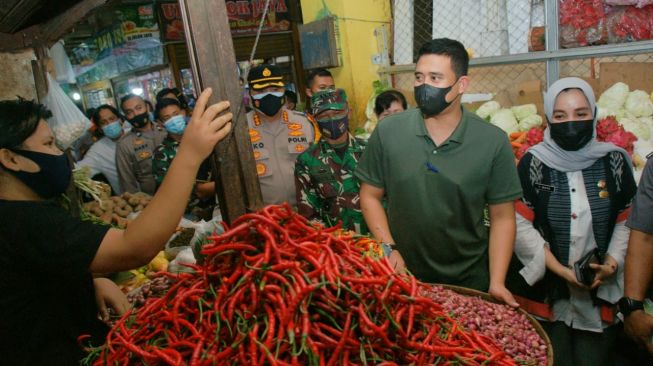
<point>577,193</point>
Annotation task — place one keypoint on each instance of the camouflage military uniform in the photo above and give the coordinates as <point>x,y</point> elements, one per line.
<point>161,161</point>
<point>326,187</point>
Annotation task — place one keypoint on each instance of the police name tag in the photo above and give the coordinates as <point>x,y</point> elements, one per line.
<point>545,188</point>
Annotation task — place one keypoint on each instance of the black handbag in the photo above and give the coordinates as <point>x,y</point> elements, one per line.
<point>585,274</point>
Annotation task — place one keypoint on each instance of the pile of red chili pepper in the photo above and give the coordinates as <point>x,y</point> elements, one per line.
<point>275,290</point>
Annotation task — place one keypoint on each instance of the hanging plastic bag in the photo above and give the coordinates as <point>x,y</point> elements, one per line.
<point>62,66</point>
<point>68,123</point>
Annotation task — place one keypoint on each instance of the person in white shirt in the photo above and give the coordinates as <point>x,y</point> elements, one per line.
<point>101,157</point>
<point>577,195</point>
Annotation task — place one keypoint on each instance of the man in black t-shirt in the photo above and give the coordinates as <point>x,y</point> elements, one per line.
<point>47,290</point>
<point>48,297</point>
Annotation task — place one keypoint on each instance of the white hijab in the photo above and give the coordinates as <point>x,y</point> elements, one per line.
<point>558,158</point>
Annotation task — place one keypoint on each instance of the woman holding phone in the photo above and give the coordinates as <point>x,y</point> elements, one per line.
<point>571,238</point>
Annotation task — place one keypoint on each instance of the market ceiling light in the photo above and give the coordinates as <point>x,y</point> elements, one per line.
<point>137,91</point>
<point>76,96</point>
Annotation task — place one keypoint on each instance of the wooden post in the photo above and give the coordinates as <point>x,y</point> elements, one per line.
<point>211,51</point>
<point>296,18</point>
<point>39,70</point>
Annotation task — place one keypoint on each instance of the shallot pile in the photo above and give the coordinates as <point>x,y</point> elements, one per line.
<point>509,328</point>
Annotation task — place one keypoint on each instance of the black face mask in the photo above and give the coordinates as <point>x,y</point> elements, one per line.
<point>333,128</point>
<point>270,104</point>
<point>53,178</point>
<point>431,100</point>
<point>572,135</point>
<point>141,120</point>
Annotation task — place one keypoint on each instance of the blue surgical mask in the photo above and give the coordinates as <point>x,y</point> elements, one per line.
<point>113,130</point>
<point>175,125</point>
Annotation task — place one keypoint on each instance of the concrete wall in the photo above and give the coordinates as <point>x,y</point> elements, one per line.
<point>357,21</point>
<point>16,76</point>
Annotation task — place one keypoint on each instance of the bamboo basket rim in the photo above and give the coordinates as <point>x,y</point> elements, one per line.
<point>487,297</point>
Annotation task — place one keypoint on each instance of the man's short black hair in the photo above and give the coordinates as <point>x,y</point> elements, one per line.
<point>385,99</point>
<point>315,73</point>
<point>163,103</point>
<point>174,91</point>
<point>128,97</point>
<point>448,47</point>
<point>291,96</point>
<point>18,121</point>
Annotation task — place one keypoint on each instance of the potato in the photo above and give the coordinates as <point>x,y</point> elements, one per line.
<point>144,202</point>
<point>106,217</point>
<point>120,212</point>
<point>118,221</point>
<point>139,208</point>
<point>107,205</point>
<point>128,209</point>
<point>134,201</point>
<point>119,201</point>
<point>97,211</point>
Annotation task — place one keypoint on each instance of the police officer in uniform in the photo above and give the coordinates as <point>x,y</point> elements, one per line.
<point>278,135</point>
<point>135,149</point>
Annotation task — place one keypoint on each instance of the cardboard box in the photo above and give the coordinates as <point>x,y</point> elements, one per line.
<point>638,75</point>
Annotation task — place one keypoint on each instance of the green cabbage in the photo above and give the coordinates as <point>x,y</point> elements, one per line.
<point>523,111</point>
<point>639,104</point>
<point>637,127</point>
<point>505,120</point>
<point>614,97</point>
<point>534,120</point>
<point>487,109</point>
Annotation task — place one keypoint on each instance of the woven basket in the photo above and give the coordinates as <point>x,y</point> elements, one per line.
<point>485,296</point>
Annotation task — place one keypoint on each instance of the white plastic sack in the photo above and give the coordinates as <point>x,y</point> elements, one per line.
<point>68,123</point>
<point>62,66</point>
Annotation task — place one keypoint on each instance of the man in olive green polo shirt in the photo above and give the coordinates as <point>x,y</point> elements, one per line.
<point>439,166</point>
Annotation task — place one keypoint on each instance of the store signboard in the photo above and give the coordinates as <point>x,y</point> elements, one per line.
<point>138,21</point>
<point>131,44</point>
<point>171,22</point>
<point>108,40</point>
<point>245,16</point>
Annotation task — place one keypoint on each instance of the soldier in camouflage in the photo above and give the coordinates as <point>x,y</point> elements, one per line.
<point>327,189</point>
<point>174,119</point>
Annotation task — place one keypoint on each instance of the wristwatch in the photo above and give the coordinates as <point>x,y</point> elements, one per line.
<point>387,249</point>
<point>626,305</point>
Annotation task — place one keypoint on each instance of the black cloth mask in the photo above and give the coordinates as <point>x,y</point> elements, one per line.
<point>572,135</point>
<point>141,120</point>
<point>333,128</point>
<point>270,104</point>
<point>53,178</point>
<point>431,100</point>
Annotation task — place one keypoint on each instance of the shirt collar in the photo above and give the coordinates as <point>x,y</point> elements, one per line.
<point>457,135</point>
